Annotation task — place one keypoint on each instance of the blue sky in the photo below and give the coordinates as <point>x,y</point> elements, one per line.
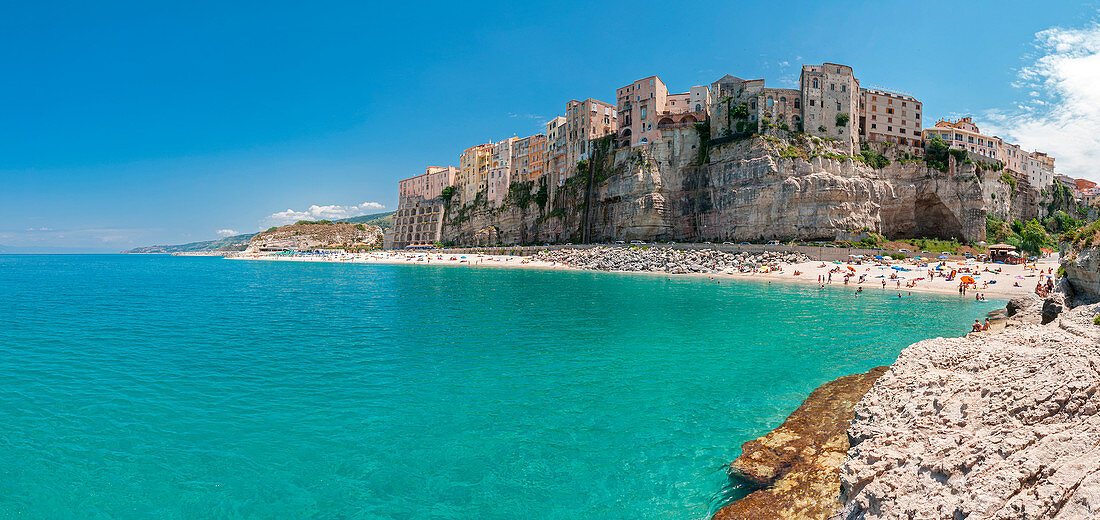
<point>127,124</point>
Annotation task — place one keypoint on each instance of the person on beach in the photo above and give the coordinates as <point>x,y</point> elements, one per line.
<point>985,326</point>
<point>977,327</point>
<point>884,285</point>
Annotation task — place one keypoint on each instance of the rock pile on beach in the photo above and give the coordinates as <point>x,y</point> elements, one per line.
<point>673,261</point>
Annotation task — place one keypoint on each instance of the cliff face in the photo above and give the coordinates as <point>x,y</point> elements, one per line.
<point>763,187</point>
<point>312,235</point>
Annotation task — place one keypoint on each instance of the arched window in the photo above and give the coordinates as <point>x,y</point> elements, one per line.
<point>815,82</point>
<point>698,107</point>
<point>752,105</point>
<point>770,102</point>
<point>782,99</point>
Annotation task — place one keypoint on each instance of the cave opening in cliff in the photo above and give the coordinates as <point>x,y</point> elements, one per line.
<point>935,220</point>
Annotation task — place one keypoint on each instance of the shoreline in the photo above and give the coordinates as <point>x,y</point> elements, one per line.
<point>1002,289</point>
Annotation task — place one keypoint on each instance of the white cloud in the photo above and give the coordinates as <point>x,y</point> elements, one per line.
<point>315,212</point>
<point>227,232</point>
<point>1062,113</point>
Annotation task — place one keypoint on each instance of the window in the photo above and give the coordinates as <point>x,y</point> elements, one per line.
<point>889,101</point>
<point>815,82</point>
<point>889,120</point>
<point>699,107</point>
<point>782,99</point>
<point>797,103</point>
<point>838,106</point>
<point>643,112</point>
<point>873,125</point>
<point>874,117</point>
<point>844,88</point>
<point>812,102</point>
<point>832,86</point>
<point>902,103</point>
<point>770,102</point>
<point>874,98</point>
<point>874,108</point>
<point>752,105</point>
<point>889,110</point>
<point>902,130</point>
<point>889,129</point>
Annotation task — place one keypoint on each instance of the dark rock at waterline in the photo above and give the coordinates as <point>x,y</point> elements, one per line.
<point>796,464</point>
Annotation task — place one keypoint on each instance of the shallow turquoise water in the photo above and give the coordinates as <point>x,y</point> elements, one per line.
<point>162,387</point>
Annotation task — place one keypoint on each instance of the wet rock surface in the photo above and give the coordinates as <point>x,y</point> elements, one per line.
<point>671,261</point>
<point>796,464</point>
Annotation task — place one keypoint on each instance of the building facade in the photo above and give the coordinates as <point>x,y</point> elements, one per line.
<point>963,134</point>
<point>830,103</point>
<point>499,176</point>
<point>419,216</point>
<point>645,107</point>
<point>584,121</point>
<point>528,158</point>
<point>891,117</point>
<point>554,156</point>
<point>739,106</point>
<point>473,166</point>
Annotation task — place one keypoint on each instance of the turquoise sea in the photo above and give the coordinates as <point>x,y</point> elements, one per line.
<point>194,388</point>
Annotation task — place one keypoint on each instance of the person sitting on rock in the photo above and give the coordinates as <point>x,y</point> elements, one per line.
<point>985,326</point>
<point>977,326</point>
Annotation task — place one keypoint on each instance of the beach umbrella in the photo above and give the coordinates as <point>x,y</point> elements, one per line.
<point>852,268</point>
<point>878,257</point>
<point>967,279</point>
<point>941,257</point>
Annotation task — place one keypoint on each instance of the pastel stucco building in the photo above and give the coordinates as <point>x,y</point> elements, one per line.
<point>495,182</point>
<point>528,157</point>
<point>419,216</point>
<point>554,157</point>
<point>473,166</point>
<point>645,107</point>
<point>891,117</point>
<point>584,121</point>
<point>963,134</point>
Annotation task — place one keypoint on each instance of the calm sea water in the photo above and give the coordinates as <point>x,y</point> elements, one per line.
<point>162,387</point>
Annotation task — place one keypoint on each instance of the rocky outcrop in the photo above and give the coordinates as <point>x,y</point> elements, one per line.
<point>796,464</point>
<point>1082,267</point>
<point>989,426</point>
<point>313,235</point>
<point>780,187</point>
<point>666,260</point>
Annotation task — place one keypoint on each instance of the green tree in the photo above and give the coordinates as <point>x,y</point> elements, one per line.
<point>936,153</point>
<point>1033,237</point>
<point>448,193</point>
<point>842,119</point>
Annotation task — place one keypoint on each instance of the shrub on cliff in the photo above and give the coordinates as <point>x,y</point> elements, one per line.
<point>873,158</point>
<point>936,153</point>
<point>448,193</point>
<point>842,119</point>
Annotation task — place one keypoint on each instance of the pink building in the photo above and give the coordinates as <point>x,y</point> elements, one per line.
<point>584,121</point>
<point>419,216</point>
<point>645,106</point>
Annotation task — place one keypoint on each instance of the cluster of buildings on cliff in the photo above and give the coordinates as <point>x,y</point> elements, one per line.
<point>829,103</point>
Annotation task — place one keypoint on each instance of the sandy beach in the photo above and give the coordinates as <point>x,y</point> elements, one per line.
<point>991,280</point>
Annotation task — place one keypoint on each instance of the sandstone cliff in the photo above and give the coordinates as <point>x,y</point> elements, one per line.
<point>320,234</point>
<point>782,187</point>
